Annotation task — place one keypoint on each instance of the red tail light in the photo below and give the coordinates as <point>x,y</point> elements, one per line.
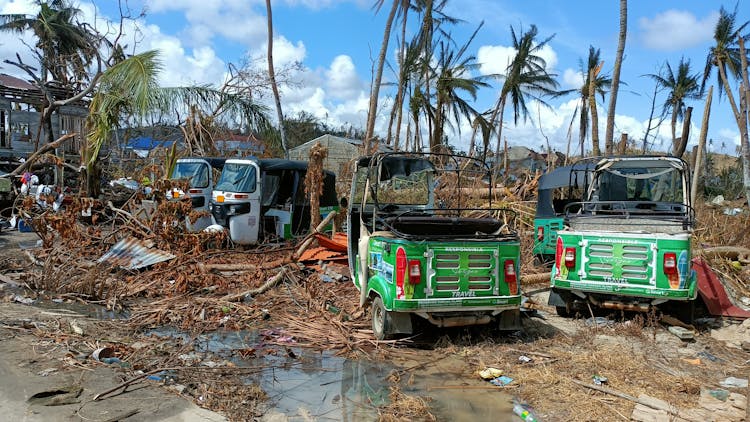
<point>570,257</point>
<point>415,272</point>
<point>400,272</point>
<point>510,276</point>
<point>670,263</point>
<point>195,191</point>
<point>540,233</point>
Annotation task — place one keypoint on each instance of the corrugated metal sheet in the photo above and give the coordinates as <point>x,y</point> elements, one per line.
<point>132,254</point>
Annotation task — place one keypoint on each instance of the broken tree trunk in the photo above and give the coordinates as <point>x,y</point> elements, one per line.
<point>254,292</point>
<point>43,150</point>
<point>701,145</point>
<point>308,241</point>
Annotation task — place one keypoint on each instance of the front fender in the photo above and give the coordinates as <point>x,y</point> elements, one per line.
<point>383,288</point>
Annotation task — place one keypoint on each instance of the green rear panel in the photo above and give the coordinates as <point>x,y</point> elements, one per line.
<point>546,245</point>
<point>455,276</point>
<point>626,265</point>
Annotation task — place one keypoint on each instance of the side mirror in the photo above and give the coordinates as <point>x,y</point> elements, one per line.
<point>343,202</point>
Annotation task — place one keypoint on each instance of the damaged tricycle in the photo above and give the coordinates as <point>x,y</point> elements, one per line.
<point>425,242</point>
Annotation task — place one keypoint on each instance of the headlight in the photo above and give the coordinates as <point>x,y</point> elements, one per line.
<point>236,209</point>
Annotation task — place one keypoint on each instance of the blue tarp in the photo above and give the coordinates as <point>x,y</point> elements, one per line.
<point>146,143</point>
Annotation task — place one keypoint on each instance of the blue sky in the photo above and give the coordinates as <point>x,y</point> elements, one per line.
<point>336,42</point>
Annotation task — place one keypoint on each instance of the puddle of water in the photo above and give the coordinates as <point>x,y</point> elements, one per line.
<point>310,385</point>
<point>326,387</point>
<point>455,395</point>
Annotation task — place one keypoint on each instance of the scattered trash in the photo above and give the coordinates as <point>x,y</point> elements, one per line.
<point>325,278</point>
<point>524,412</point>
<point>709,356</point>
<point>681,333</point>
<point>718,200</point>
<point>734,382</point>
<point>330,307</point>
<point>501,381</point>
<point>599,322</point>
<point>110,361</point>
<point>23,299</point>
<point>732,211</point>
<point>76,328</point>
<point>599,380</point>
<point>524,359</point>
<point>102,352</point>
<point>490,373</point>
<point>695,361</point>
<point>719,394</point>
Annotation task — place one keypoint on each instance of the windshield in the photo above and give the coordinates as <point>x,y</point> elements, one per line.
<point>656,184</point>
<point>405,181</point>
<point>196,172</point>
<point>237,178</point>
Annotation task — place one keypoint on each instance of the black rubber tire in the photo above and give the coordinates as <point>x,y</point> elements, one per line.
<point>381,321</point>
<point>562,311</point>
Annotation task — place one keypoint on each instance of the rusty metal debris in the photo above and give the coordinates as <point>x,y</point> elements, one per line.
<point>132,254</point>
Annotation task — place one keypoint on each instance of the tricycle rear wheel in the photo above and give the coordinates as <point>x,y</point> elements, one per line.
<point>381,320</point>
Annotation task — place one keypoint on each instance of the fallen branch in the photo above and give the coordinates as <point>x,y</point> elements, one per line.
<point>254,292</point>
<point>128,215</point>
<point>650,403</point>
<point>42,150</point>
<point>242,267</point>
<point>310,238</point>
<point>130,381</point>
<point>535,278</point>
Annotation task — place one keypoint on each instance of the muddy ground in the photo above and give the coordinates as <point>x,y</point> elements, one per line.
<point>261,372</point>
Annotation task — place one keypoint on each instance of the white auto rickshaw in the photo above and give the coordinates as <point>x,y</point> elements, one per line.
<point>262,199</point>
<point>199,172</point>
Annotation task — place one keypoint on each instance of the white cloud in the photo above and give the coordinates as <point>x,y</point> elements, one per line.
<point>236,20</point>
<point>572,78</point>
<point>284,52</point>
<point>494,59</point>
<point>182,67</point>
<point>342,80</point>
<point>676,29</point>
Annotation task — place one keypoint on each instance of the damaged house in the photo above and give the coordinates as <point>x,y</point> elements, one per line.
<point>20,111</point>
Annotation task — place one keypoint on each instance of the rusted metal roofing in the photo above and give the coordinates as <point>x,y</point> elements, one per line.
<point>13,82</point>
<point>132,254</point>
<point>320,254</point>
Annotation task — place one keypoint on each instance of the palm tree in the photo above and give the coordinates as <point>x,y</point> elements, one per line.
<point>600,85</point>
<point>65,48</point>
<point>681,86</point>
<point>727,56</point>
<point>453,76</point>
<point>609,135</point>
<point>272,77</point>
<point>525,76</point>
<point>375,89</point>
<point>408,65</point>
<point>130,88</point>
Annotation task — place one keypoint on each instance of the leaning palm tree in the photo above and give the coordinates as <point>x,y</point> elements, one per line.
<point>377,77</point>
<point>525,77</point>
<point>272,79</point>
<point>454,77</point>
<point>64,47</point>
<point>727,56</point>
<point>609,134</point>
<point>601,84</point>
<point>681,86</point>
